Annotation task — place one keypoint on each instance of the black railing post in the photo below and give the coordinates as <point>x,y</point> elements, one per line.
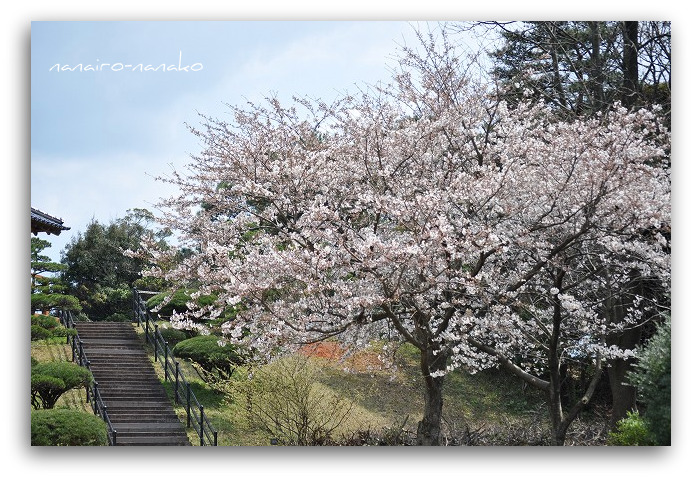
<point>188,405</point>
<point>166,361</point>
<point>176,385</point>
<point>93,389</point>
<point>155,341</point>
<point>202,423</point>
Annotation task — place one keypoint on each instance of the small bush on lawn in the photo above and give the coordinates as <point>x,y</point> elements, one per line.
<point>67,427</point>
<point>179,302</point>
<point>38,333</point>
<point>46,322</point>
<point>118,318</point>
<point>173,336</point>
<point>47,327</point>
<point>285,400</point>
<point>207,352</point>
<point>52,379</point>
<point>631,431</point>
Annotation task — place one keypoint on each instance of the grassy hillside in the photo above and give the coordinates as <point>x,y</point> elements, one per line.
<point>491,407</point>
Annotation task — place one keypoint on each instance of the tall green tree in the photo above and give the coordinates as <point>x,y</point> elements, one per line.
<point>583,67</point>
<point>96,269</point>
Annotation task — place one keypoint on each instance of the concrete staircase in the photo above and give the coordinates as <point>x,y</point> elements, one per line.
<point>136,401</point>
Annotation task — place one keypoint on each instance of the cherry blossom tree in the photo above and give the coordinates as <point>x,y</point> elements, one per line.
<point>430,211</point>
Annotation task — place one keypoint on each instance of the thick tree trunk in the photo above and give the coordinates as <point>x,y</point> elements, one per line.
<point>630,87</point>
<point>556,413</point>
<point>429,428</point>
<point>597,73</point>
<point>623,395</point>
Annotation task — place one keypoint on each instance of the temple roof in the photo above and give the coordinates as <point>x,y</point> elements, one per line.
<point>44,223</point>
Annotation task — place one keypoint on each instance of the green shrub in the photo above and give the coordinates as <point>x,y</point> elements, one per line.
<point>62,332</point>
<point>173,336</point>
<point>286,401</point>
<point>652,378</point>
<point>51,380</point>
<point>630,431</point>
<point>178,301</point>
<point>67,427</point>
<point>207,352</point>
<point>46,322</point>
<point>46,327</point>
<point>118,318</point>
<point>38,333</point>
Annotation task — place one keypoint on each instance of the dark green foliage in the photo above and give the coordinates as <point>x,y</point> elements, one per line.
<point>38,333</point>
<point>48,292</point>
<point>67,427</point>
<point>47,322</point>
<point>652,378</point>
<point>46,327</point>
<point>582,67</point>
<point>51,380</point>
<point>631,431</point>
<point>173,336</point>
<point>97,270</point>
<point>119,318</point>
<point>178,302</point>
<point>47,302</point>
<point>206,351</point>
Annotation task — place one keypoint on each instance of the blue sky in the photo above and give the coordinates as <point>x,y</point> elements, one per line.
<point>98,138</point>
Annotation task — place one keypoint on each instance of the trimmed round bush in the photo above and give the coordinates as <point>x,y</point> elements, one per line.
<point>51,380</point>
<point>47,322</point>
<point>119,318</point>
<point>178,302</point>
<point>67,427</point>
<point>206,351</point>
<point>173,336</point>
<point>38,333</point>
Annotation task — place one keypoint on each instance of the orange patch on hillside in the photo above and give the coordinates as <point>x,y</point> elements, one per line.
<point>360,361</point>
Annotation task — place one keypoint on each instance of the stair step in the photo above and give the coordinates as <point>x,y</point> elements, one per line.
<point>152,441</point>
<point>145,418</point>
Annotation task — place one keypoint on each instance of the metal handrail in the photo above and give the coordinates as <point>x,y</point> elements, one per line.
<point>93,393</point>
<point>183,394</point>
